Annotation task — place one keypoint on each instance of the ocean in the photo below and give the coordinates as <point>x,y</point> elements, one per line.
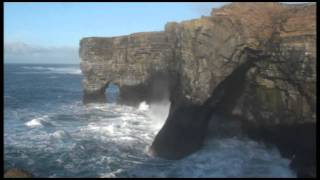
<point>50,133</point>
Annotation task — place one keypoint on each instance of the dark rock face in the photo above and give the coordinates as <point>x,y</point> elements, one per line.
<point>255,61</point>
<point>155,89</point>
<point>296,142</point>
<point>183,132</point>
<point>186,125</point>
<point>96,96</point>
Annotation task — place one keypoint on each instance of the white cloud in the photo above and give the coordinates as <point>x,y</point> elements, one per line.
<point>20,52</point>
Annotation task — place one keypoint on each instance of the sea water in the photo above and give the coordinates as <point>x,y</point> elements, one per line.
<point>50,133</point>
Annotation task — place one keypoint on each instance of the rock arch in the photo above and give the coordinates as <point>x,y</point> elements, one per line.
<point>199,58</point>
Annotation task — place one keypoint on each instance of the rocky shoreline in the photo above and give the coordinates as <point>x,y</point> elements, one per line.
<point>253,61</point>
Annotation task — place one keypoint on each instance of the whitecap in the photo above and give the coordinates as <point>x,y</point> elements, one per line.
<point>143,106</point>
<point>124,141</point>
<point>65,70</point>
<point>35,67</point>
<point>57,70</point>
<point>34,123</point>
<point>59,134</point>
<point>111,174</point>
<point>38,122</point>
<point>109,128</point>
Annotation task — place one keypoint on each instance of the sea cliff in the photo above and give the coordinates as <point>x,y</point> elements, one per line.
<point>252,61</point>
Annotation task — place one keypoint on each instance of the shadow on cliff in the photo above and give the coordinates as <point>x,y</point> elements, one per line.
<point>186,127</point>
<point>155,89</point>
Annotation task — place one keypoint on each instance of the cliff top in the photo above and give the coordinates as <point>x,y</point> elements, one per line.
<point>259,19</point>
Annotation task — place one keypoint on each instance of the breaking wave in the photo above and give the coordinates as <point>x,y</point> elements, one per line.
<point>112,140</point>
<point>143,106</point>
<point>57,70</point>
<point>50,133</point>
<point>39,122</point>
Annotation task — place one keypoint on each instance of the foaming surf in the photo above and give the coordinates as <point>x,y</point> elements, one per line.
<point>50,70</point>
<point>33,123</point>
<point>110,140</point>
<point>143,106</point>
<point>50,133</point>
<point>37,122</point>
<point>157,112</point>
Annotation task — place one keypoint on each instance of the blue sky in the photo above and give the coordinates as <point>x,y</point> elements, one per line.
<point>53,27</point>
<point>50,32</point>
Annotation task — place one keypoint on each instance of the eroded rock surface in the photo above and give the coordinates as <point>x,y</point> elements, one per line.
<point>128,61</point>
<point>255,61</point>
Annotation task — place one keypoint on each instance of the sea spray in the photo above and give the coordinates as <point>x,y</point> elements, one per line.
<point>109,140</point>
<point>37,122</point>
<point>143,106</point>
<point>157,111</point>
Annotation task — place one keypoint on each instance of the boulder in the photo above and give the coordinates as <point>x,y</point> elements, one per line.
<point>17,173</point>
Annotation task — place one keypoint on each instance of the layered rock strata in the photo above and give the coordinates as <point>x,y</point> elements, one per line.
<point>253,61</point>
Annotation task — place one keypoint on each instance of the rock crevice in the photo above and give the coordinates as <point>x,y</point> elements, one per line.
<point>255,61</point>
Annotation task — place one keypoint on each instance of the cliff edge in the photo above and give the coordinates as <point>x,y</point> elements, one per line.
<point>253,61</point>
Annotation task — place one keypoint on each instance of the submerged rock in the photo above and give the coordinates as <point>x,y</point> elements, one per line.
<point>17,173</point>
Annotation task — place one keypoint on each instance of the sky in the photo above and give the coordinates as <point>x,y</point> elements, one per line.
<point>50,32</point>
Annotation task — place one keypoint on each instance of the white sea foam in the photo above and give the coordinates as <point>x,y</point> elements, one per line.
<point>60,134</point>
<point>35,67</point>
<point>36,122</point>
<point>143,106</point>
<point>111,174</point>
<point>111,140</point>
<point>235,157</point>
<point>65,70</point>
<point>57,70</point>
<point>158,113</point>
<point>33,123</point>
<point>39,122</point>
